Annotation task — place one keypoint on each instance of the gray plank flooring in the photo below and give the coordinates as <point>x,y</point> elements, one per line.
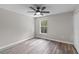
<point>40,46</point>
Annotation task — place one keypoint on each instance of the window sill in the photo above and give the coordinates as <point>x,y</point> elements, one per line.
<point>43,33</point>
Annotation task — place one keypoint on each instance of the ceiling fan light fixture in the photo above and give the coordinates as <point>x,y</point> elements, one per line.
<point>38,13</point>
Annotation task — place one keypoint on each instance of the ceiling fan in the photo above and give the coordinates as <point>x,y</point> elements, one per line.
<point>38,10</point>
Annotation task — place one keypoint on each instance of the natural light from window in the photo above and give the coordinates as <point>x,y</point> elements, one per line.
<point>44,26</point>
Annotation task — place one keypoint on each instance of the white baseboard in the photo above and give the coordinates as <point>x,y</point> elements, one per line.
<point>54,39</point>
<point>61,41</point>
<point>17,42</point>
<point>58,40</point>
<point>76,48</point>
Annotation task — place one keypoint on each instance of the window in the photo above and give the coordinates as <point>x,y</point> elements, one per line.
<point>43,26</point>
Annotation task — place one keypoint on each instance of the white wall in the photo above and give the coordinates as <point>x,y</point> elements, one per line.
<point>76,29</point>
<point>14,27</point>
<point>60,27</point>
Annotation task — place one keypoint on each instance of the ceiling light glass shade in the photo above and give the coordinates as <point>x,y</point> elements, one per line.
<point>38,13</point>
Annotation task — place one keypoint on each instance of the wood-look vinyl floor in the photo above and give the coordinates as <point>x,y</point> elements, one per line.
<point>40,46</point>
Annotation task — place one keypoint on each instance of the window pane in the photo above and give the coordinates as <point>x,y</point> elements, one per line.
<point>44,23</point>
<point>43,29</point>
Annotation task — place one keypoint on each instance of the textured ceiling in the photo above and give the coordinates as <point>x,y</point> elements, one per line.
<point>53,8</point>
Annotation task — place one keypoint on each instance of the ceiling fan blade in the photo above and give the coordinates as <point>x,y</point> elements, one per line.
<point>45,12</point>
<point>43,8</point>
<point>33,8</point>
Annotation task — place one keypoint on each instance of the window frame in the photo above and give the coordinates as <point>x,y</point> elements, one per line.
<point>42,26</point>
